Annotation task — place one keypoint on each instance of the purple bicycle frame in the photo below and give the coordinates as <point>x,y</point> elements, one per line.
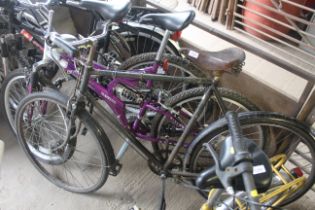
<point>118,106</point>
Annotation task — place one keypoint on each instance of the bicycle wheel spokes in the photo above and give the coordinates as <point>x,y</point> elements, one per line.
<point>300,153</point>
<point>75,163</point>
<point>279,139</point>
<point>15,91</point>
<point>185,105</point>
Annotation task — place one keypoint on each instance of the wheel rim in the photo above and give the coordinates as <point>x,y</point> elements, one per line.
<point>81,168</point>
<point>280,139</point>
<point>188,106</point>
<point>151,43</point>
<point>15,91</point>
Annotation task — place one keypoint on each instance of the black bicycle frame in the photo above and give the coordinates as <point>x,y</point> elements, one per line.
<point>129,138</point>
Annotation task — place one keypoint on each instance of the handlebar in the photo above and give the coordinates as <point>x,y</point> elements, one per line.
<point>242,162</point>
<point>235,131</point>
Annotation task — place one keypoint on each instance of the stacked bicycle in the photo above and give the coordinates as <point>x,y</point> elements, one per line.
<point>177,113</point>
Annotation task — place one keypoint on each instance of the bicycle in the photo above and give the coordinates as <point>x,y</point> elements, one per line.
<point>275,182</point>
<point>22,20</point>
<point>14,86</point>
<point>31,23</point>
<point>41,112</point>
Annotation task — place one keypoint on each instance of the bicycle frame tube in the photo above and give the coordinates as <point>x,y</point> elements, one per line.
<point>131,79</point>
<point>120,124</point>
<point>138,147</point>
<point>107,94</point>
<point>192,120</point>
<point>127,136</point>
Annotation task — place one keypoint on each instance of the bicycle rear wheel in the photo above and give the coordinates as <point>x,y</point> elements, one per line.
<point>80,163</point>
<point>184,104</point>
<point>282,135</point>
<point>177,66</point>
<point>143,40</point>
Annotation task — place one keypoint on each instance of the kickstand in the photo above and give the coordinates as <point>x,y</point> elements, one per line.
<point>163,203</point>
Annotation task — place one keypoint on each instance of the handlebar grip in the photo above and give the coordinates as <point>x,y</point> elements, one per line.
<point>66,46</point>
<point>235,131</point>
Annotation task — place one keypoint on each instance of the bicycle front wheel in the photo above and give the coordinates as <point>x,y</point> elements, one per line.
<point>282,135</point>
<point>79,163</point>
<point>12,92</point>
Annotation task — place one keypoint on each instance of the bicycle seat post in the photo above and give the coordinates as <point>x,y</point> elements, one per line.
<point>162,46</point>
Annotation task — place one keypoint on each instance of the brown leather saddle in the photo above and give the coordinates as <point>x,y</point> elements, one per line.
<point>228,60</point>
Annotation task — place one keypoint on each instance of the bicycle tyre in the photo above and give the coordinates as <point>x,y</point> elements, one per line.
<point>15,79</point>
<point>236,102</point>
<point>143,40</point>
<point>177,66</point>
<point>103,146</point>
<point>291,131</point>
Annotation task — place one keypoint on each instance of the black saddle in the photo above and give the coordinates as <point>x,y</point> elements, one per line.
<point>114,11</point>
<point>176,21</point>
<point>229,60</point>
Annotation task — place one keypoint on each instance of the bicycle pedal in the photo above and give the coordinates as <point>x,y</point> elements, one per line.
<point>115,169</point>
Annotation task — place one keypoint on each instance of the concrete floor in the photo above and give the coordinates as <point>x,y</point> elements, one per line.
<point>23,188</point>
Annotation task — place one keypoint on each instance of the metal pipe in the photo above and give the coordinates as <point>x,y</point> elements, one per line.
<point>279,49</point>
<point>287,17</point>
<point>281,12</point>
<point>306,102</point>
<point>299,5</point>
<point>273,20</point>
<point>307,107</point>
<point>163,45</point>
<point>122,150</point>
<point>155,77</point>
<point>229,15</point>
<point>259,52</point>
<point>301,33</point>
<point>129,138</point>
<point>274,38</point>
<point>190,124</point>
<point>222,12</point>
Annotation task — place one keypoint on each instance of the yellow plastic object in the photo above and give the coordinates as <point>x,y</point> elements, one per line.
<point>275,195</point>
